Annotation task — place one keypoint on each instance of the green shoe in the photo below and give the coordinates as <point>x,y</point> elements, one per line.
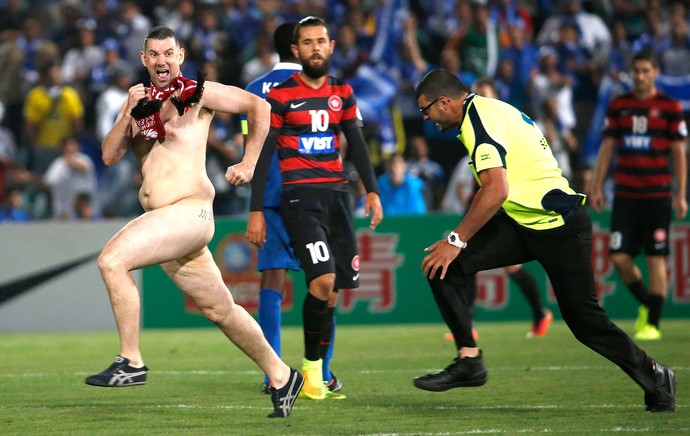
<point>330,395</point>
<point>648,333</point>
<point>642,318</point>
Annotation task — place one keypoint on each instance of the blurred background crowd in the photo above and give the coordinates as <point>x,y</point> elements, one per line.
<point>66,66</point>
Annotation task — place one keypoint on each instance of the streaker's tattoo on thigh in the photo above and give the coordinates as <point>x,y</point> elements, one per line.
<point>205,214</point>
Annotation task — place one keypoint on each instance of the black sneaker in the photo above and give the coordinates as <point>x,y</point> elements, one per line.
<point>285,397</point>
<point>466,372</point>
<point>663,399</point>
<point>265,388</point>
<point>334,385</point>
<point>119,374</point>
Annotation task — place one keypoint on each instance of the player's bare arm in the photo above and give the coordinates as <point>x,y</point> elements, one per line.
<point>118,139</point>
<point>596,195</point>
<point>224,98</point>
<point>680,204</point>
<point>372,205</point>
<point>256,228</point>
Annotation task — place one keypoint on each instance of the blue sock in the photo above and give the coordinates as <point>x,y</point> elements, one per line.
<point>269,318</point>
<point>328,356</point>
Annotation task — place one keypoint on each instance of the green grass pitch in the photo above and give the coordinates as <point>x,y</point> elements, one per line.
<point>200,384</point>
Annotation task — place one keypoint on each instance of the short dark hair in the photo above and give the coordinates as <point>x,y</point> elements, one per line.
<point>310,21</point>
<point>82,197</point>
<point>160,33</point>
<point>485,81</point>
<point>440,82</point>
<point>282,40</point>
<point>645,55</point>
<point>44,66</point>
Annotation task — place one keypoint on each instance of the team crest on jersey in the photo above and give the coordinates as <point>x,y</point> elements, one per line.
<point>335,103</point>
<point>683,128</point>
<point>355,263</point>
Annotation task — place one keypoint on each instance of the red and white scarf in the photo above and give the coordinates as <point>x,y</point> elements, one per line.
<point>146,112</point>
<point>186,87</point>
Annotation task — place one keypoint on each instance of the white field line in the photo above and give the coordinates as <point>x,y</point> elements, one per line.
<point>570,408</point>
<point>498,407</point>
<point>142,406</point>
<point>541,430</point>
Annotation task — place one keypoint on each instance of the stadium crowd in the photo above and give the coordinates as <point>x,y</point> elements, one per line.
<point>67,66</point>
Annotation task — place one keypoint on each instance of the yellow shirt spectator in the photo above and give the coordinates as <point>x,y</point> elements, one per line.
<point>53,116</point>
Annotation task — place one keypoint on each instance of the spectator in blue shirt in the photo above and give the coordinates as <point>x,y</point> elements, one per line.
<point>13,210</point>
<point>401,193</point>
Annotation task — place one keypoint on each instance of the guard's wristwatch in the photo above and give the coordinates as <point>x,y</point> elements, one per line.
<point>455,241</point>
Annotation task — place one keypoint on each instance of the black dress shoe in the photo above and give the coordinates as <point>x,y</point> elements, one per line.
<point>462,373</point>
<point>663,399</point>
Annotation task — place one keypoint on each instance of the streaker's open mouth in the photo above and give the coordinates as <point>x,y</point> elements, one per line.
<point>163,75</point>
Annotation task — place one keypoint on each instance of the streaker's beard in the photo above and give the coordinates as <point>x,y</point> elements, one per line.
<point>315,72</point>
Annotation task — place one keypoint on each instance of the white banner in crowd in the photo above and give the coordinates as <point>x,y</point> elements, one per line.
<point>49,278</point>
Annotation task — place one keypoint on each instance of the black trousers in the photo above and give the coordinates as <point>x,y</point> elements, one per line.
<point>565,253</point>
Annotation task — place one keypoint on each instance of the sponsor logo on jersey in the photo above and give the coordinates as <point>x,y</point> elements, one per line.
<point>335,103</point>
<point>296,105</point>
<point>316,143</point>
<point>637,142</point>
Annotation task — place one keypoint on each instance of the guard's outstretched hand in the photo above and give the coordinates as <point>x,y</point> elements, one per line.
<point>441,254</point>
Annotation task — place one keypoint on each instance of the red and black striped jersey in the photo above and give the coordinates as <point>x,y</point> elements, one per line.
<point>308,122</point>
<point>643,131</point>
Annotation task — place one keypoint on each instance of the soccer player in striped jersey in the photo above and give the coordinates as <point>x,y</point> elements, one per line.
<point>647,131</point>
<point>265,228</point>
<point>309,110</point>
